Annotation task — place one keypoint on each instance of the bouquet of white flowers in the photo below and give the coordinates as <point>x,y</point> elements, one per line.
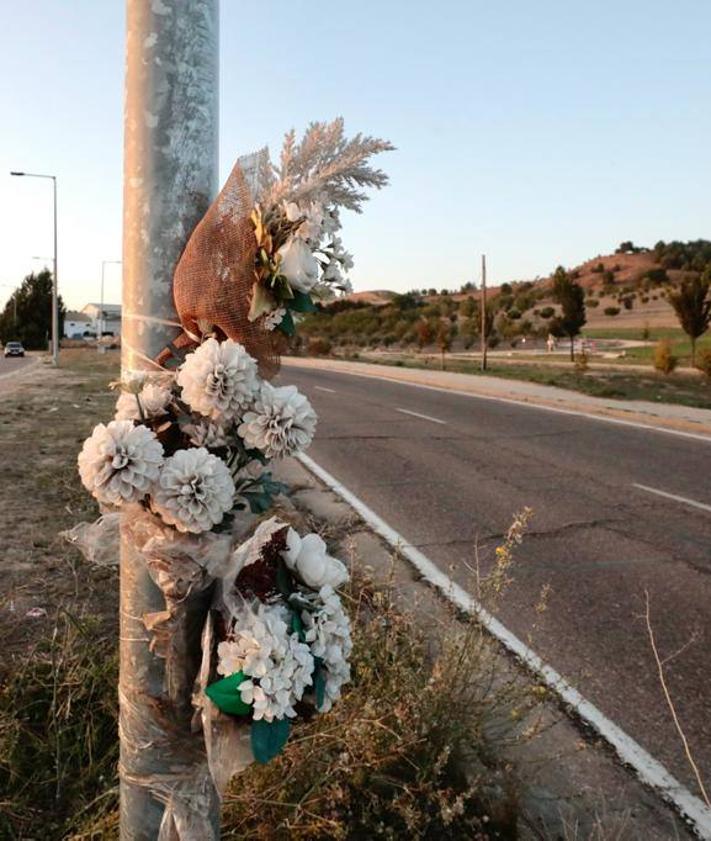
<point>296,219</point>
<point>284,636</point>
<point>268,247</point>
<point>192,447</point>
<point>186,456</point>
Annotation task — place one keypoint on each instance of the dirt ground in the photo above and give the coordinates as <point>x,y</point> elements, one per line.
<point>44,418</point>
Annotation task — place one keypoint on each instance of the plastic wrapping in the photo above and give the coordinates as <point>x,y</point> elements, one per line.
<point>227,740</point>
<point>98,541</point>
<point>152,724</point>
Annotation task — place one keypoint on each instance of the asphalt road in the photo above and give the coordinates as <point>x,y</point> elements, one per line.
<point>449,471</point>
<point>13,363</point>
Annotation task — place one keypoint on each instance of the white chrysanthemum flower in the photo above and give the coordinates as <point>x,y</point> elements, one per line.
<point>308,558</point>
<point>280,423</point>
<point>194,491</point>
<point>219,379</point>
<point>204,433</point>
<point>278,666</point>
<point>328,631</point>
<point>154,402</point>
<point>119,462</point>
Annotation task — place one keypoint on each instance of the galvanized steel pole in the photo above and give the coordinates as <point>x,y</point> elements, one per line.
<point>170,177</point>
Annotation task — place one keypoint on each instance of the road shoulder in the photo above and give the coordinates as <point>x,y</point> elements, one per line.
<point>571,777</point>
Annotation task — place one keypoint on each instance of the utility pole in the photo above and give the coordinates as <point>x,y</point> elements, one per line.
<point>482,301</point>
<point>170,178</point>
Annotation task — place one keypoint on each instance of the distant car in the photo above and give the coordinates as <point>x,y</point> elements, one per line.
<point>14,349</point>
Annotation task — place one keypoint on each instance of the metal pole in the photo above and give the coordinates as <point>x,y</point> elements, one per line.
<point>484,337</point>
<point>100,331</point>
<point>170,177</point>
<point>55,293</point>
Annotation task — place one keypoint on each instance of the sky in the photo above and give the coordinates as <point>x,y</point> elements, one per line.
<point>539,133</point>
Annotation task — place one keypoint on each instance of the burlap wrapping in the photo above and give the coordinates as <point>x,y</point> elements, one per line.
<point>212,284</point>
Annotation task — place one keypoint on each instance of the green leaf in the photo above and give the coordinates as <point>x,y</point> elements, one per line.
<point>286,325</point>
<point>268,738</point>
<point>319,682</point>
<point>302,303</point>
<point>224,694</point>
<point>297,625</point>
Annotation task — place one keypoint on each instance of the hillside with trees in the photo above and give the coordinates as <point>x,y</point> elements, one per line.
<point>634,288</point>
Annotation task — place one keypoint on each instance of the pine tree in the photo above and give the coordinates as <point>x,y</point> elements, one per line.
<point>571,297</point>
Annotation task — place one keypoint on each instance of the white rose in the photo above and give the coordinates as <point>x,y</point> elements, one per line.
<point>308,558</point>
<point>298,264</point>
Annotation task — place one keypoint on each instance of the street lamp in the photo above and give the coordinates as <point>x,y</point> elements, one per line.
<point>104,264</point>
<point>55,297</point>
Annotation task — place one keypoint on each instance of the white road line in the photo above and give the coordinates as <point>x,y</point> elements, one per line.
<point>683,499</point>
<point>323,388</point>
<point>418,415</point>
<point>648,769</point>
<point>696,436</point>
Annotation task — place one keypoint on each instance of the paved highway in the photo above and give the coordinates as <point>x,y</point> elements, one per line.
<point>618,511</point>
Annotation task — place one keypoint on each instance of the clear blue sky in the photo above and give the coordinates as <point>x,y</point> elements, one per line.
<point>538,132</point>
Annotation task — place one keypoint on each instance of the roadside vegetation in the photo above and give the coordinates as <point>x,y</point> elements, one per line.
<point>621,385</point>
<point>417,749</point>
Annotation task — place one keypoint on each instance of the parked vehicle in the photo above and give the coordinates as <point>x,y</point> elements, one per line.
<point>14,349</point>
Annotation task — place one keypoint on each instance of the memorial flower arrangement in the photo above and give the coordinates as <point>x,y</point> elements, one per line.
<point>285,638</point>
<point>296,219</point>
<point>186,457</point>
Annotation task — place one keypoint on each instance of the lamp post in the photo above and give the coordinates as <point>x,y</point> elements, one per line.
<point>55,297</point>
<point>104,264</point>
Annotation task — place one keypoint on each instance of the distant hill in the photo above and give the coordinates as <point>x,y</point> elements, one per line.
<point>624,289</point>
<point>377,297</point>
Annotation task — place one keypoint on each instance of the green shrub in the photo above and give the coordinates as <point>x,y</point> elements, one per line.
<point>664,359</point>
<point>547,312</point>
<point>658,276</point>
<point>611,311</point>
<point>592,303</point>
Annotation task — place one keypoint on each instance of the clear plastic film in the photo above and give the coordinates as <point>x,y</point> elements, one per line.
<point>152,724</point>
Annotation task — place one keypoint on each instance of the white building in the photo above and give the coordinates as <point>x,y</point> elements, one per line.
<point>76,324</point>
<point>106,323</point>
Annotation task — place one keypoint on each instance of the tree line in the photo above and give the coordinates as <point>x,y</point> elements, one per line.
<point>27,315</point>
